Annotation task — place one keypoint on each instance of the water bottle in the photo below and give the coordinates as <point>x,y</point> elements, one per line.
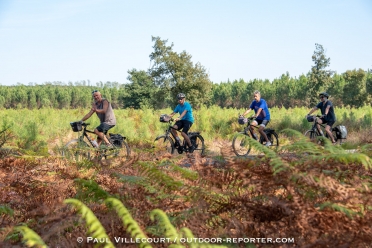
<point>255,136</point>
<point>94,142</point>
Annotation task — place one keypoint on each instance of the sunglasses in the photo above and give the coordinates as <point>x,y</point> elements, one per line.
<point>94,91</point>
<point>321,96</point>
<point>179,99</point>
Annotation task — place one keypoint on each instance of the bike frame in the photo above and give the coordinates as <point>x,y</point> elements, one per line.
<point>168,133</point>
<point>247,128</point>
<point>317,130</point>
<point>84,134</point>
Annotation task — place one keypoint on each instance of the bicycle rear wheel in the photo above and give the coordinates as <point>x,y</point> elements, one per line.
<point>163,145</point>
<point>241,144</point>
<point>77,150</point>
<point>120,149</point>
<point>273,138</point>
<point>198,142</point>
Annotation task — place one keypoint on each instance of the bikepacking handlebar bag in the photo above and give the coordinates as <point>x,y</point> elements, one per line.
<point>164,118</point>
<point>310,118</point>
<point>341,132</point>
<point>76,126</point>
<point>242,120</point>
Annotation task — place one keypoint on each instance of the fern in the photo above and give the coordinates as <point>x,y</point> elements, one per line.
<point>90,191</point>
<point>169,230</point>
<point>158,177</point>
<point>30,238</point>
<point>275,161</point>
<point>348,158</point>
<point>185,173</point>
<point>95,228</point>
<point>339,208</point>
<point>129,223</point>
<point>6,210</point>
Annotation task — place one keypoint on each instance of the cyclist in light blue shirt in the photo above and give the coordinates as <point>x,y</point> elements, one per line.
<point>184,121</point>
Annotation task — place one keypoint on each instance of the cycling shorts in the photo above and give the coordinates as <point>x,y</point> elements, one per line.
<point>262,123</point>
<point>103,127</point>
<point>328,123</point>
<point>184,125</point>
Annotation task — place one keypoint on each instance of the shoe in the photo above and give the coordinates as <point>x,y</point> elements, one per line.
<point>191,149</point>
<point>268,143</point>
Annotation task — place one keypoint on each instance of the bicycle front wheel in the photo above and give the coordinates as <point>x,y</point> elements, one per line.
<point>77,150</point>
<point>241,144</point>
<point>163,145</point>
<point>311,135</point>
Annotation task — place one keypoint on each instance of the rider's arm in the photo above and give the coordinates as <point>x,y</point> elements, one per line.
<point>327,110</point>
<point>312,110</point>
<point>182,115</point>
<point>173,113</point>
<point>104,108</point>
<point>246,112</point>
<point>258,112</point>
<point>87,116</point>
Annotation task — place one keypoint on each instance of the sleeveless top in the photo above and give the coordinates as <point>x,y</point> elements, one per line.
<point>109,116</point>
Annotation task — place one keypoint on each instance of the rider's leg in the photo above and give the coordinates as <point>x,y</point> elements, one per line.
<point>186,138</point>
<point>101,136</point>
<point>175,134</point>
<point>101,131</point>
<point>329,132</point>
<point>253,124</point>
<point>319,121</point>
<point>261,128</point>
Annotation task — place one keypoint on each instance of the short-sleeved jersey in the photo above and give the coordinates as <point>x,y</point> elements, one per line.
<point>186,106</point>
<point>331,113</point>
<point>265,113</point>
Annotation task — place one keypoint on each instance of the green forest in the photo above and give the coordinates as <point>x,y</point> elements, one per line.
<point>173,72</point>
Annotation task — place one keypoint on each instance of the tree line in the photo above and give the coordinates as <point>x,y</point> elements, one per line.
<point>173,72</point>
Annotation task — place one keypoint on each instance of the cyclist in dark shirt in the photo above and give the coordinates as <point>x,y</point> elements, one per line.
<point>328,114</point>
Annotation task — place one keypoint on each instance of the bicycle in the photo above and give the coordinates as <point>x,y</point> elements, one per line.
<point>79,149</point>
<point>314,132</point>
<point>166,141</point>
<point>240,143</point>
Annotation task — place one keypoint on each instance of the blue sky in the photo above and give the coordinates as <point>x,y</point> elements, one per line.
<point>100,40</point>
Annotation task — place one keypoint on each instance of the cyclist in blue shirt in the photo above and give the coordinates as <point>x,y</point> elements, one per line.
<point>262,115</point>
<point>184,121</point>
<point>328,114</point>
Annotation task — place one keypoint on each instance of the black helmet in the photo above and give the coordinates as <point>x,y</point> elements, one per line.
<point>181,95</point>
<point>324,94</point>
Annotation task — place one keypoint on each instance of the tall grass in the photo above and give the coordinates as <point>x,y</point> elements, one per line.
<point>142,126</point>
